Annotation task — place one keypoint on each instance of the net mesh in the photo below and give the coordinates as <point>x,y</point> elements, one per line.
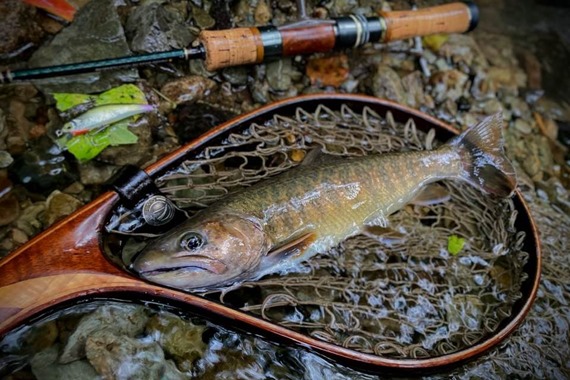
<point>399,293</point>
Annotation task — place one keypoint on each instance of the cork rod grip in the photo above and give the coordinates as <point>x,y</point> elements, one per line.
<point>231,47</point>
<point>448,18</point>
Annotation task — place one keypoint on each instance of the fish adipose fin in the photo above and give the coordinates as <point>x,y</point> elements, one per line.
<point>484,162</point>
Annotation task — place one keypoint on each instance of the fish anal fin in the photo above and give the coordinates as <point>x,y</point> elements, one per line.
<point>431,194</point>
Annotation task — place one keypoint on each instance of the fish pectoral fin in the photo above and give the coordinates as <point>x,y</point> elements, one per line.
<point>295,247</point>
<point>430,195</point>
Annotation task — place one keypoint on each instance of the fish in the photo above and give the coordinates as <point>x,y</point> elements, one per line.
<point>102,116</point>
<point>277,223</point>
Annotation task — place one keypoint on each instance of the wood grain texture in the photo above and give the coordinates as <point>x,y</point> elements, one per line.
<point>448,18</point>
<point>231,47</point>
<point>317,38</point>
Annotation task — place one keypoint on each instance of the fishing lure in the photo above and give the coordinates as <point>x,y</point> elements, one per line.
<point>103,116</point>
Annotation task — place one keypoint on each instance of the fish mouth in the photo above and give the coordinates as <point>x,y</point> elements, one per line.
<point>182,264</point>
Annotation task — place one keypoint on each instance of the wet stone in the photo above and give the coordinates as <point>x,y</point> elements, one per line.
<point>262,13</point>
<point>386,83</point>
<point>187,89</point>
<point>45,367</point>
<point>279,74</point>
<point>60,205</point>
<point>9,209</point>
<point>41,168</point>
<point>95,173</point>
<point>202,18</point>
<point>127,320</point>
<point>18,27</point>
<point>180,339</point>
<point>523,126</point>
<point>73,44</point>
<point>236,75</point>
<point>448,85</point>
<point>152,27</point>
<point>122,357</point>
<point>29,220</point>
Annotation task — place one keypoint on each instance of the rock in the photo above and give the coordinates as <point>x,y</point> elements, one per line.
<point>120,319</point>
<point>552,109</point>
<point>18,27</point>
<point>95,173</point>
<point>9,208</point>
<point>462,48</point>
<point>492,106</point>
<point>152,27</point>
<point>122,357</point>
<point>180,339</point>
<point>96,33</point>
<point>18,127</point>
<point>386,83</point>
<point>236,75</point>
<point>523,126</point>
<point>43,167</point>
<point>29,220</point>
<point>279,74</point>
<point>202,18</point>
<point>262,13</point>
<point>510,78</point>
<point>41,336</point>
<point>414,90</point>
<point>19,237</point>
<point>9,205</point>
<point>60,205</point>
<point>532,68</point>
<point>328,71</point>
<point>448,85</point>
<point>45,367</point>
<point>187,89</point>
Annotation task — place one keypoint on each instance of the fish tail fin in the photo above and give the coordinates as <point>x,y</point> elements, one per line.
<point>484,162</point>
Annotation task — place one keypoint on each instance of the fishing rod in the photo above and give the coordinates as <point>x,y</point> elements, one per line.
<point>240,46</point>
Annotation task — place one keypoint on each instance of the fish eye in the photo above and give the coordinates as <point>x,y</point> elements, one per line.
<point>191,241</point>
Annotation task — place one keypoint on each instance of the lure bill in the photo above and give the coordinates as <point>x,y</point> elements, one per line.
<point>272,226</point>
<point>102,116</point>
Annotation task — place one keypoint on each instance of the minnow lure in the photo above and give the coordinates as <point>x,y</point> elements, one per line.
<point>102,116</point>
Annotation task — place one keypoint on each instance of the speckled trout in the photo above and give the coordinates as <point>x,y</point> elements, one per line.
<point>273,225</point>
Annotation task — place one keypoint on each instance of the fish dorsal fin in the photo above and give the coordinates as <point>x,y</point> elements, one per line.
<point>431,194</point>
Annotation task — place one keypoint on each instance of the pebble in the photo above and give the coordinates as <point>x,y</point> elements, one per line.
<point>187,89</point>
<point>386,83</point>
<point>5,159</point>
<point>60,205</point>
<point>9,208</point>
<point>262,13</point>
<point>108,354</point>
<point>523,126</point>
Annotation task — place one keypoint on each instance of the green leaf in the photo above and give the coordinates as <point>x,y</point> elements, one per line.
<point>125,94</point>
<point>87,146</point>
<point>455,244</point>
<point>119,134</point>
<point>65,101</point>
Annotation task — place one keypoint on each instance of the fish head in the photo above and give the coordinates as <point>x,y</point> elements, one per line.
<point>204,252</point>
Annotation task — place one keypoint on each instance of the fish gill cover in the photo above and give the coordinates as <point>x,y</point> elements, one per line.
<point>401,294</point>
